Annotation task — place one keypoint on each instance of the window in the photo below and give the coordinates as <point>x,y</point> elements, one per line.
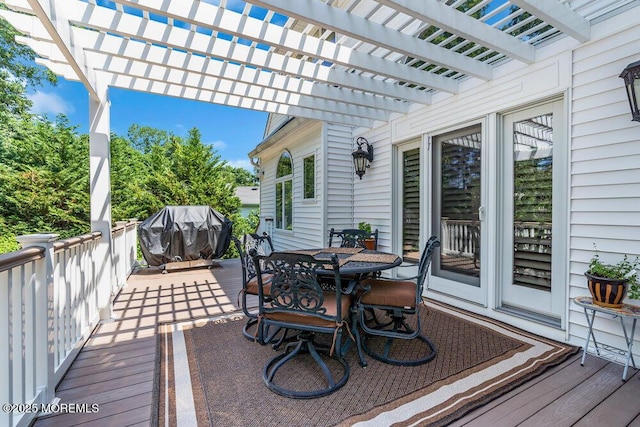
<point>284,192</point>
<point>309,179</point>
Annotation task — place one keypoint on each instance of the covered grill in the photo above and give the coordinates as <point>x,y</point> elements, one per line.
<point>184,234</point>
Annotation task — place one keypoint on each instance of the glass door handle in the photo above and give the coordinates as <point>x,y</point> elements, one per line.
<point>481,213</point>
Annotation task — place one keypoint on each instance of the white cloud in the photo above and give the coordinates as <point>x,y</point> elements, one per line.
<point>49,103</point>
<point>219,145</point>
<point>241,163</point>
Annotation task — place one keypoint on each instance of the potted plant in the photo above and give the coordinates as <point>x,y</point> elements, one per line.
<point>609,284</point>
<point>369,243</point>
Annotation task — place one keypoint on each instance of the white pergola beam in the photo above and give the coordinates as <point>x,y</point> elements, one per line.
<point>140,84</point>
<point>229,22</point>
<point>176,75</point>
<point>319,13</point>
<point>179,91</point>
<point>559,16</point>
<point>456,22</point>
<point>158,33</point>
<point>131,49</point>
<point>53,16</point>
<point>195,80</point>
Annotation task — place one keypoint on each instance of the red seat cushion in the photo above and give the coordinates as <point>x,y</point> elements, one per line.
<point>390,293</point>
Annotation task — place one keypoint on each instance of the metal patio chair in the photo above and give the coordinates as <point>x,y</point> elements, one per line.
<point>263,245</point>
<point>353,237</point>
<point>397,299</point>
<point>298,302</point>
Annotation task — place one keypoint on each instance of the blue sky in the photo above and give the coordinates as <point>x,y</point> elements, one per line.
<point>233,132</point>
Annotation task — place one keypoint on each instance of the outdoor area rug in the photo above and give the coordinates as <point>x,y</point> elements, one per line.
<point>209,374</point>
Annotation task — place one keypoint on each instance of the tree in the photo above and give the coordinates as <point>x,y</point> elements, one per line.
<point>128,169</point>
<point>44,185</point>
<point>142,138</point>
<point>17,70</point>
<point>243,176</point>
<point>44,165</point>
<point>176,171</point>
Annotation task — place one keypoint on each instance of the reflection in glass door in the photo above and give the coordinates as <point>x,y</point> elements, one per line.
<point>456,204</point>
<point>534,185</point>
<point>532,201</point>
<point>534,209</point>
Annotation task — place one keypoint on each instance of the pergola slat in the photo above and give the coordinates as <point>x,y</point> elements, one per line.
<point>326,16</point>
<point>560,16</point>
<point>139,84</point>
<point>229,22</point>
<point>52,15</point>
<point>449,19</point>
<point>356,62</point>
<point>157,33</point>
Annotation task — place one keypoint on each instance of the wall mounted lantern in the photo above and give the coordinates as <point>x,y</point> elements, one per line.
<point>631,76</point>
<point>362,158</point>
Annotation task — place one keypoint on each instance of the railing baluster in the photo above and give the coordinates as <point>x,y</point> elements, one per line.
<point>57,278</point>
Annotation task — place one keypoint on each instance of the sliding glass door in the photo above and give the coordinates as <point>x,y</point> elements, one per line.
<point>533,186</point>
<point>456,209</point>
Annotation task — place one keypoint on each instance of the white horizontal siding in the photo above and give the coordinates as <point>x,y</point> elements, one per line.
<point>605,179</point>
<point>372,194</point>
<point>339,176</point>
<point>307,214</point>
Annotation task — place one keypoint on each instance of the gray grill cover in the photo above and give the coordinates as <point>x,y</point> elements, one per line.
<point>184,233</point>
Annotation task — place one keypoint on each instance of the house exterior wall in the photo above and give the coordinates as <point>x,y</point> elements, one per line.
<point>339,176</point>
<point>274,122</point>
<point>605,163</point>
<point>300,138</point>
<point>602,170</point>
<point>602,195</point>
<point>372,194</point>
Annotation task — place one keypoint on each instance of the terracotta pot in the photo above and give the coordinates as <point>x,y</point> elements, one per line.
<point>370,244</point>
<point>607,292</point>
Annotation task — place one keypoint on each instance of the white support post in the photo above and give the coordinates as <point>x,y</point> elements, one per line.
<point>100,187</point>
<point>120,257</point>
<point>45,378</point>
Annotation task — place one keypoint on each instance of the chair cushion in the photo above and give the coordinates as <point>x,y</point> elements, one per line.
<point>308,319</point>
<point>252,285</point>
<point>390,293</point>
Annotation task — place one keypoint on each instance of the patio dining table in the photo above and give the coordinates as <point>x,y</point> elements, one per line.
<point>356,261</point>
<point>355,264</point>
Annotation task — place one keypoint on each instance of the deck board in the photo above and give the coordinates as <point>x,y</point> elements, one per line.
<point>569,408</point>
<point>525,401</point>
<point>618,409</point>
<point>116,367</point>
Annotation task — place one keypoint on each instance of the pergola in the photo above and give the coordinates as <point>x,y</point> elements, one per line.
<point>358,62</point>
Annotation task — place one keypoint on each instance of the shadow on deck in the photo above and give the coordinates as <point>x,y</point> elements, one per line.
<point>115,369</point>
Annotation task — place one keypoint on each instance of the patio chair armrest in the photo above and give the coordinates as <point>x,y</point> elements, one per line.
<point>350,287</point>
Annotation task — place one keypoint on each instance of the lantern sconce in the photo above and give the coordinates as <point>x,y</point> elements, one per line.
<point>631,76</point>
<point>362,158</point>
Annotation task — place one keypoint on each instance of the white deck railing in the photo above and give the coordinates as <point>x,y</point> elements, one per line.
<point>460,237</point>
<point>48,308</point>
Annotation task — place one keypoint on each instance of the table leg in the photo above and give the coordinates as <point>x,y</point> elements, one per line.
<point>629,340</point>
<point>590,335</point>
<point>355,330</point>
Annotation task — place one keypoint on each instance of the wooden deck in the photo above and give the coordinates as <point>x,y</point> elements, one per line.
<point>115,369</point>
